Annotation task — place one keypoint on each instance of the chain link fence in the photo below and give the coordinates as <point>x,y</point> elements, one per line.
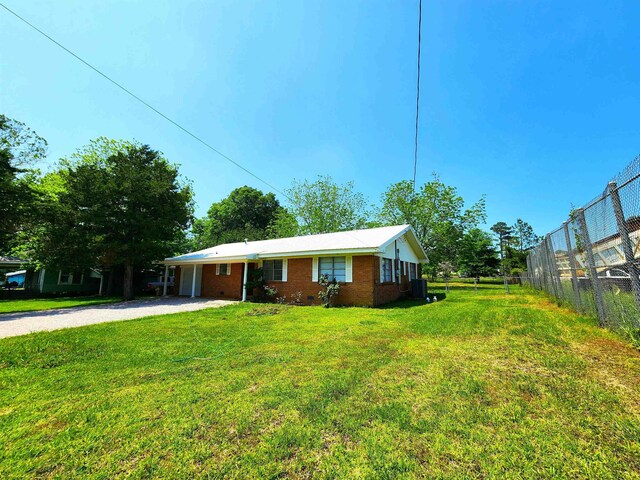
<point>592,261</point>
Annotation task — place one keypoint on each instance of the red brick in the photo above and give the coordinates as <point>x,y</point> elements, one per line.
<point>364,290</point>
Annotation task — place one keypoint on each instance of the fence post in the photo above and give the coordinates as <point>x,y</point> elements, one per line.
<point>540,268</point>
<point>551,285</point>
<point>572,266</point>
<point>545,266</point>
<point>593,274</point>
<point>555,272</point>
<point>530,267</point>
<point>627,246</point>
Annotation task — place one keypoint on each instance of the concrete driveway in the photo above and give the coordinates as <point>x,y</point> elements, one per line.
<point>22,323</point>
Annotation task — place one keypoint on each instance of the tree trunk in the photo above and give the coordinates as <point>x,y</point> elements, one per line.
<point>110,282</point>
<point>127,288</point>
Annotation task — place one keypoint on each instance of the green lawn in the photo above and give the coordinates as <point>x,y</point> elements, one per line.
<point>29,305</point>
<point>478,385</point>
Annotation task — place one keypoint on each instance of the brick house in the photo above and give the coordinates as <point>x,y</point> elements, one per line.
<point>374,266</point>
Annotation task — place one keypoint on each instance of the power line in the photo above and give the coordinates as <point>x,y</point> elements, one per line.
<point>129,92</point>
<point>415,151</point>
<point>124,89</point>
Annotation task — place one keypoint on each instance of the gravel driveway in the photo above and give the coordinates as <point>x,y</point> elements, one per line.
<point>21,323</point>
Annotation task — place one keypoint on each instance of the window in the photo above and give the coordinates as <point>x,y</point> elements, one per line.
<point>611,256</point>
<point>223,269</point>
<point>69,278</point>
<point>272,270</point>
<point>412,271</point>
<point>333,268</point>
<point>387,266</point>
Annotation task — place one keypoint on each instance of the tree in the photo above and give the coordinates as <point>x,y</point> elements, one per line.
<point>25,145</point>
<point>437,213</point>
<point>324,206</point>
<point>20,149</point>
<point>524,236</point>
<point>246,213</point>
<point>128,208</point>
<point>504,234</point>
<point>283,225</point>
<point>477,256</point>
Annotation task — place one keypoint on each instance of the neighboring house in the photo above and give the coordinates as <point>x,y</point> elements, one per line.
<point>8,264</point>
<point>56,281</point>
<point>608,255</point>
<point>64,281</point>
<point>15,279</point>
<point>373,266</point>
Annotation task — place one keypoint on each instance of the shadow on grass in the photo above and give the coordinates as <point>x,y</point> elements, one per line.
<point>414,302</point>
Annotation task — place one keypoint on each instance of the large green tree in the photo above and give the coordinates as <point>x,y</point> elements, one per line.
<point>113,204</point>
<point>477,255</point>
<point>324,206</point>
<point>437,213</point>
<point>247,213</point>
<point>524,236</point>
<point>515,241</point>
<point>20,149</point>
<point>504,234</point>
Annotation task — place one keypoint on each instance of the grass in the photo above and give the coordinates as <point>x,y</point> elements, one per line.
<point>33,304</point>
<point>478,385</point>
<point>621,309</point>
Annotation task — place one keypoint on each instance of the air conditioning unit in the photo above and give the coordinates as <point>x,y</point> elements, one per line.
<point>419,288</point>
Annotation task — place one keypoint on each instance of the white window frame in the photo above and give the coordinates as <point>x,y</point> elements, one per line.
<point>333,267</point>
<point>281,269</point>
<point>227,268</point>
<point>413,271</point>
<point>386,270</point>
<point>71,278</point>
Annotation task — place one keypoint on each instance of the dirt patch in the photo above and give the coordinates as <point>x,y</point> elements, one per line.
<point>265,311</point>
<point>614,363</point>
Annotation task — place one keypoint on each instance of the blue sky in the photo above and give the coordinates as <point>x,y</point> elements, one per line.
<point>533,103</point>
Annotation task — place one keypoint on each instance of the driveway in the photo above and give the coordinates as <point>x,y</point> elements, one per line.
<point>22,323</point>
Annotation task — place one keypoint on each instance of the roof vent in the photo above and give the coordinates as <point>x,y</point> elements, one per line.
<point>246,240</point>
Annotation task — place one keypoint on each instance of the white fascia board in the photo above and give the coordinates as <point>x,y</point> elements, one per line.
<point>191,261</point>
<point>18,272</point>
<point>415,238</point>
<point>384,246</point>
<point>321,253</point>
<point>256,256</point>
<point>407,229</point>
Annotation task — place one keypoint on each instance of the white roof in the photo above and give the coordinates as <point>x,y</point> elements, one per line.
<point>372,240</point>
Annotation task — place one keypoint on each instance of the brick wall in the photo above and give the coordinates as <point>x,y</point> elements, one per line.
<point>222,286</point>
<point>364,290</point>
<point>358,292</point>
<point>389,291</point>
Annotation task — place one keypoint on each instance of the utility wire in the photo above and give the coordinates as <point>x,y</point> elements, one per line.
<point>415,151</point>
<point>124,89</point>
<point>129,92</point>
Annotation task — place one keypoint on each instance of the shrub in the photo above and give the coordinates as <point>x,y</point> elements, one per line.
<point>329,290</point>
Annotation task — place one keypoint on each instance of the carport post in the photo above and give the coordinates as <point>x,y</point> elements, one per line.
<point>164,286</point>
<point>244,281</point>
<point>193,283</point>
